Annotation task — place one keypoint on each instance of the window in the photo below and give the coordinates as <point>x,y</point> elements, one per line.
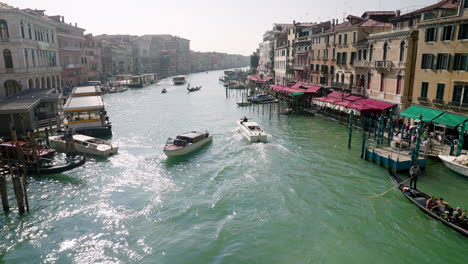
<point>459,94</point>
<point>29,31</point>
<point>440,91</point>
<point>430,34</point>
<point>22,29</point>
<point>427,61</point>
<point>317,68</point>
<point>33,58</point>
<point>382,82</point>
<point>26,57</point>
<point>463,30</point>
<point>3,29</point>
<point>325,54</point>
<point>354,37</point>
<point>385,51</point>
<point>410,23</point>
<point>318,54</point>
<point>442,61</point>
<point>447,32</point>
<point>332,69</point>
<point>364,54</point>
<point>424,88</point>
<point>371,52</point>
<point>343,57</point>
<point>460,61</point>
<point>398,85</point>
<point>359,54</point>
<point>369,78</point>
<point>339,39</point>
<point>338,58</point>
<point>334,53</point>
<point>402,51</point>
<point>465,4</point>
<point>353,57</point>
<point>7,59</point>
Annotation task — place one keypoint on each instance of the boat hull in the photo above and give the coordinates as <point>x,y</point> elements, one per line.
<point>188,149</point>
<point>451,164</point>
<point>252,137</point>
<point>59,145</point>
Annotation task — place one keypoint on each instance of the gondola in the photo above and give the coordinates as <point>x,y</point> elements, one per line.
<point>419,199</point>
<point>56,169</point>
<point>196,88</point>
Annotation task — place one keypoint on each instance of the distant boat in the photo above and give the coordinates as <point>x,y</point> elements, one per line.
<point>244,103</point>
<point>179,80</point>
<point>193,89</point>
<point>251,130</point>
<point>186,143</point>
<point>457,164</point>
<point>262,98</point>
<point>164,90</point>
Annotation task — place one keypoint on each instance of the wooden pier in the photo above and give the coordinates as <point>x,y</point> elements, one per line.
<point>390,158</point>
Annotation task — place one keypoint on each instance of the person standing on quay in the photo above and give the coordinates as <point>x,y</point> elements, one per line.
<point>414,173</point>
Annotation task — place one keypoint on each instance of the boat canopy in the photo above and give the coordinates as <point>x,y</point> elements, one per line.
<point>86,90</point>
<point>83,103</point>
<point>191,137</point>
<point>428,114</point>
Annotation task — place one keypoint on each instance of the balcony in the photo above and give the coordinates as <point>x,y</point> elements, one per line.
<point>438,101</point>
<point>382,65</point>
<point>338,85</point>
<point>299,67</point>
<point>361,64</point>
<point>458,105</point>
<point>423,100</point>
<point>401,65</point>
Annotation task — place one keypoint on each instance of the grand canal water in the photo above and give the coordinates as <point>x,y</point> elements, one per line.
<point>300,198</point>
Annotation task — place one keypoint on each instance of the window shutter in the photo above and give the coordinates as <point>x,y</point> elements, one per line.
<point>433,62</point>
<point>435,33</point>
<point>447,62</point>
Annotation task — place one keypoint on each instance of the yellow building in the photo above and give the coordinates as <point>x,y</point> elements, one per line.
<point>441,77</point>
<point>349,36</point>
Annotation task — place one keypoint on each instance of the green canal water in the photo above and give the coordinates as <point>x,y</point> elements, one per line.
<point>300,198</point>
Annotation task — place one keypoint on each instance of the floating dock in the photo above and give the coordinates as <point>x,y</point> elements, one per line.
<point>388,157</point>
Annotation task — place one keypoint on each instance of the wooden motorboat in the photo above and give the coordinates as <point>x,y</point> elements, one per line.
<point>251,130</point>
<point>54,168</point>
<point>9,150</point>
<point>419,199</point>
<point>457,164</point>
<point>186,143</point>
<point>85,144</point>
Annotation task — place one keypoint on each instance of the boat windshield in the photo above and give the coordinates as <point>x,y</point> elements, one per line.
<point>180,143</point>
<point>255,128</point>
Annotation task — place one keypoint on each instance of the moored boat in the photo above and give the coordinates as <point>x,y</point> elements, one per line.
<point>419,199</point>
<point>193,89</point>
<point>244,103</point>
<point>251,130</point>
<point>85,144</point>
<point>262,99</point>
<point>186,143</point>
<point>164,90</point>
<point>457,164</point>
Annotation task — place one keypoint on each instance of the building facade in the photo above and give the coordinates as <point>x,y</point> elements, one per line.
<point>280,59</point>
<point>28,42</point>
<point>441,77</point>
<point>93,50</point>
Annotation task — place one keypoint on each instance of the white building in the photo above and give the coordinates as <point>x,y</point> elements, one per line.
<point>29,51</point>
<point>281,51</point>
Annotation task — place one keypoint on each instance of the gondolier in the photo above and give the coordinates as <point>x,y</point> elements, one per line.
<point>414,173</point>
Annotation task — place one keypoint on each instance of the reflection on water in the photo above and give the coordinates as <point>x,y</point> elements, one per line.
<point>300,198</point>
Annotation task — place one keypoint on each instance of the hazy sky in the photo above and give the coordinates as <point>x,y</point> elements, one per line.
<point>234,26</point>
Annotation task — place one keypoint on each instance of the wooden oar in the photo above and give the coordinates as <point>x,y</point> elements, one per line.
<point>382,194</point>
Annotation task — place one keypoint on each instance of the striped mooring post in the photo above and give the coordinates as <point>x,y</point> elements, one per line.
<point>461,138</point>
<point>390,126</point>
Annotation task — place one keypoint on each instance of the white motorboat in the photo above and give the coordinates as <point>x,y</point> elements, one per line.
<point>186,143</point>
<point>457,164</point>
<point>85,144</point>
<point>251,130</point>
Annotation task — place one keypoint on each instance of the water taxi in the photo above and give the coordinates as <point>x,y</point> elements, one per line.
<point>457,164</point>
<point>142,80</point>
<point>251,130</point>
<point>179,80</point>
<point>85,144</point>
<point>186,143</point>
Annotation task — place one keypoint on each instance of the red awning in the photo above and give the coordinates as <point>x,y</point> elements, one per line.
<point>257,78</point>
<point>338,95</point>
<point>287,90</point>
<point>376,104</point>
<point>353,98</point>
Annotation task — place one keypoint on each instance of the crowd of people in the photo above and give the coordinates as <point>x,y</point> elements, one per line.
<point>442,208</point>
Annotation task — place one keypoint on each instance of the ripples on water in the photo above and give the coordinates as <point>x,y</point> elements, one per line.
<point>300,198</point>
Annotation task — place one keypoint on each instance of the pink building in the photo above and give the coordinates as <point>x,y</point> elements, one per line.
<point>72,52</point>
<point>93,49</point>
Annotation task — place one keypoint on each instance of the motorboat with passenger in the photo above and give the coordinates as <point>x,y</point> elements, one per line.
<point>458,164</point>
<point>251,130</point>
<point>85,144</point>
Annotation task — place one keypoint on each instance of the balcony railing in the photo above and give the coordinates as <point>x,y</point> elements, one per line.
<point>438,101</point>
<point>361,64</point>
<point>423,100</point>
<point>299,67</point>
<point>401,65</point>
<point>383,64</point>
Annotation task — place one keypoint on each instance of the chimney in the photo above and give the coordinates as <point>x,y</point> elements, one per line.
<point>398,12</point>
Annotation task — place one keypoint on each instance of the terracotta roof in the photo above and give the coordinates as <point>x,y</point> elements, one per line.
<point>374,23</point>
<point>444,4</point>
<point>378,13</point>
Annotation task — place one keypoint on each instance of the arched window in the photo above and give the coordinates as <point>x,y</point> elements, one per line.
<point>29,31</point>
<point>54,84</point>
<point>359,55</point>
<point>26,57</point>
<point>362,82</point>
<point>38,84</point>
<point>318,54</point>
<point>334,53</point>
<point>364,54</point>
<point>402,51</point>
<point>31,83</point>
<point>22,29</point>
<point>12,87</point>
<point>385,51</point>
<point>342,78</point>
<point>3,29</point>
<point>43,82</point>
<point>8,59</point>
<point>351,80</point>
<point>49,84</point>
<point>33,58</point>
<point>337,77</point>
<point>371,52</point>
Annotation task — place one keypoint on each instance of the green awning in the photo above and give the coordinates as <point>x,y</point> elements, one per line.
<point>449,120</point>
<point>296,94</point>
<point>428,114</point>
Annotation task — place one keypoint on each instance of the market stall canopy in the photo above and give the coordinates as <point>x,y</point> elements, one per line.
<point>308,89</point>
<point>257,78</point>
<point>427,114</point>
<point>338,95</point>
<point>449,120</point>
<point>376,104</point>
